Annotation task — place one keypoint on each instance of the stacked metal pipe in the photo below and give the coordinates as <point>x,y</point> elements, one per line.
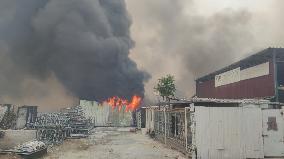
<point>55,127</point>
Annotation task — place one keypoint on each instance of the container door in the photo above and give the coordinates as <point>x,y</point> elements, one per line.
<point>251,133</point>
<point>273,133</point>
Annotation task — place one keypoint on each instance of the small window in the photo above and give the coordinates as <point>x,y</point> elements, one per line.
<point>272,124</point>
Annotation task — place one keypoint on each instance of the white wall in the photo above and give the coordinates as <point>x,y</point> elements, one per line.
<point>236,75</point>
<point>228,132</point>
<point>150,119</point>
<point>255,71</point>
<point>228,77</point>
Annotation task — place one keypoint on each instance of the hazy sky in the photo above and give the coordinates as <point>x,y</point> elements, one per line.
<point>211,6</point>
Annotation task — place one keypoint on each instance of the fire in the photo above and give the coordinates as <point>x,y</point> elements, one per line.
<point>116,102</point>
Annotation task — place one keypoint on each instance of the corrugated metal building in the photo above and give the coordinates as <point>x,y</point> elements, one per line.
<point>258,76</point>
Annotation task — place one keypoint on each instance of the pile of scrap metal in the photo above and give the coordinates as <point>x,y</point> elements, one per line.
<point>53,128</point>
<point>79,124</point>
<point>31,149</point>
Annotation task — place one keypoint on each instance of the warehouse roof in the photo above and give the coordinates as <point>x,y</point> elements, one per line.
<point>237,101</point>
<point>218,101</point>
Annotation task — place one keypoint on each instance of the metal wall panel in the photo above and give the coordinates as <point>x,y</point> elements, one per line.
<point>228,132</point>
<point>98,114</point>
<point>150,119</point>
<point>21,118</point>
<point>255,71</point>
<point>104,115</point>
<point>228,77</point>
<point>258,87</point>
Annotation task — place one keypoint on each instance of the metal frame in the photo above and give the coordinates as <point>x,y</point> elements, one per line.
<point>181,138</point>
<point>275,76</point>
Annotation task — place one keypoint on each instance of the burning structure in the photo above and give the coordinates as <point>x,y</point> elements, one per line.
<point>112,112</point>
<point>258,76</point>
<point>118,103</point>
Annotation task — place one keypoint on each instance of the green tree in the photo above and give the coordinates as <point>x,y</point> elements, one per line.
<point>166,87</point>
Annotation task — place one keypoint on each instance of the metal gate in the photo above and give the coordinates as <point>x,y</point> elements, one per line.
<point>173,127</point>
<point>273,133</point>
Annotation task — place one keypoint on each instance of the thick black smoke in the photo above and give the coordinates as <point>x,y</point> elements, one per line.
<point>85,44</point>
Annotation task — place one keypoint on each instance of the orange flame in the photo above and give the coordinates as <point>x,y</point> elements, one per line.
<point>116,102</point>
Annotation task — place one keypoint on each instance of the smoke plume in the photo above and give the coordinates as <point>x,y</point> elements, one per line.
<point>183,41</point>
<point>82,45</point>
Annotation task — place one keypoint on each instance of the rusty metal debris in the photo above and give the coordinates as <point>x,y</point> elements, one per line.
<point>31,149</point>
<point>30,146</point>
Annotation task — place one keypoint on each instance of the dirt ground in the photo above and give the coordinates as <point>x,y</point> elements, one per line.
<point>110,143</point>
<point>13,138</point>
